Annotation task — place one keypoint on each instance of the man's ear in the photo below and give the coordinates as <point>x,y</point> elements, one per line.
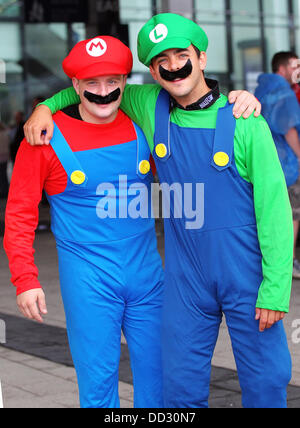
<point>282,70</point>
<point>76,84</point>
<point>203,60</point>
<point>153,72</point>
<point>123,83</point>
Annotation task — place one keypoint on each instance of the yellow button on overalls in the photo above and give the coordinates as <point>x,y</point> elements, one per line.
<point>144,167</point>
<point>78,177</point>
<point>161,150</point>
<point>221,159</point>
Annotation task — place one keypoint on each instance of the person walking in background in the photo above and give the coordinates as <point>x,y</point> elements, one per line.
<point>281,110</point>
<point>4,158</point>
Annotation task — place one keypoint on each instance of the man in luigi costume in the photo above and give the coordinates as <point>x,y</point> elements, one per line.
<point>238,262</point>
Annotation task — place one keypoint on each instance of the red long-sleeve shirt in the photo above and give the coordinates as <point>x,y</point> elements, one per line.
<point>38,168</point>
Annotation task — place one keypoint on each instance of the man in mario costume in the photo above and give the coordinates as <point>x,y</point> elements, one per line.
<point>110,271</point>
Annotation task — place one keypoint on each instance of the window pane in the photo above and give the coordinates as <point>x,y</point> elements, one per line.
<point>297,22</point>
<point>296,5</point>
<point>78,32</point>
<point>135,10</point>
<point>277,39</point>
<point>135,13</point>
<point>12,91</point>
<point>245,12</point>
<point>134,29</point>
<point>46,48</point>
<point>9,8</point>
<point>217,48</point>
<point>213,11</point>
<point>277,31</point>
<point>276,12</point>
<point>247,54</point>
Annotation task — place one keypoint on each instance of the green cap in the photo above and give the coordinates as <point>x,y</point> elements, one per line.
<point>169,31</point>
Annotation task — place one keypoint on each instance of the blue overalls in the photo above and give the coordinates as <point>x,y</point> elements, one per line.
<point>110,270</point>
<point>213,270</point>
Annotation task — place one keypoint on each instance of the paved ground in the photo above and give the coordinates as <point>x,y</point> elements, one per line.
<point>35,365</point>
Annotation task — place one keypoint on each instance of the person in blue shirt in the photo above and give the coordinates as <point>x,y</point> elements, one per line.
<point>281,110</point>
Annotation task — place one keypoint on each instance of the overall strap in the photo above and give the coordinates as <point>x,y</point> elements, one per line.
<point>68,159</point>
<point>224,138</point>
<point>162,147</point>
<point>143,166</point>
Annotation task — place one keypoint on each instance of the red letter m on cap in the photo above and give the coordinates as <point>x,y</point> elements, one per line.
<point>93,45</point>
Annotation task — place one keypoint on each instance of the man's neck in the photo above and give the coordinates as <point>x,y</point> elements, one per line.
<point>209,97</point>
<point>199,92</point>
<point>284,77</point>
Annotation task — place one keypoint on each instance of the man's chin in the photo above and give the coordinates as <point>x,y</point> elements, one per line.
<point>177,92</point>
<point>176,87</point>
<point>102,108</point>
<point>103,111</point>
<point>101,114</point>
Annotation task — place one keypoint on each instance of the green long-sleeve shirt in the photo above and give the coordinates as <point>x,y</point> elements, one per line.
<point>257,162</point>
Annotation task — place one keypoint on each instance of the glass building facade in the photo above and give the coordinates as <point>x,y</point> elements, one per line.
<point>243,37</point>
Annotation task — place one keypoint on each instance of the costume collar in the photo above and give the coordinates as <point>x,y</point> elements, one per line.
<point>204,102</point>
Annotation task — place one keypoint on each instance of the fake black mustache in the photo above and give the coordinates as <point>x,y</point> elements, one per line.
<point>170,76</point>
<point>98,99</point>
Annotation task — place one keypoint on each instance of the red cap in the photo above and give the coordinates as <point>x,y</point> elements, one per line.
<point>100,56</point>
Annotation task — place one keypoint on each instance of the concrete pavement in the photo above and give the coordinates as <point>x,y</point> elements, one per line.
<point>35,364</point>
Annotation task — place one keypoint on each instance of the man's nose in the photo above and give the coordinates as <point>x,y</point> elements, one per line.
<point>102,89</point>
<point>173,64</point>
